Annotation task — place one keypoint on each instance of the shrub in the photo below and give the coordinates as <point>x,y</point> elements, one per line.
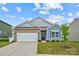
<point>53,40</point>
<point>47,40</point>
<point>57,40</point>
<point>66,40</point>
<point>39,40</point>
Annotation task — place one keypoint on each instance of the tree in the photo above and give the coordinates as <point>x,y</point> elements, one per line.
<point>65,31</point>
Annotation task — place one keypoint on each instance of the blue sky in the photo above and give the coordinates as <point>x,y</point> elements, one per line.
<point>16,13</point>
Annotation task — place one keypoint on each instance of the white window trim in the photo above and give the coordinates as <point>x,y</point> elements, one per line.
<point>55,33</point>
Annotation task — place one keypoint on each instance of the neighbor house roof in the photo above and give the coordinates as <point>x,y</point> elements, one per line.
<point>76,19</point>
<point>5,23</point>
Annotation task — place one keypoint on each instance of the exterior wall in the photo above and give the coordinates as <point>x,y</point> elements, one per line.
<point>74,31</point>
<point>28,30</point>
<point>57,38</point>
<point>6,30</point>
<point>54,28</point>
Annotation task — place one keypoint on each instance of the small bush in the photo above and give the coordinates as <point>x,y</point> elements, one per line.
<point>53,40</point>
<point>57,40</point>
<point>47,40</point>
<point>66,40</point>
<point>39,40</point>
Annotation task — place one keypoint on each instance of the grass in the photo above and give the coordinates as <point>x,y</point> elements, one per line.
<point>4,42</point>
<point>58,48</point>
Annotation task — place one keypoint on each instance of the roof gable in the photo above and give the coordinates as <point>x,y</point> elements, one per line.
<point>40,22</point>
<point>37,22</point>
<point>55,27</point>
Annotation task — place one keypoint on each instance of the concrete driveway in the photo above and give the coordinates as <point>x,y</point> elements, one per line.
<point>19,49</point>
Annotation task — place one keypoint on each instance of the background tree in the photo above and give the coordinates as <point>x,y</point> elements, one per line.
<point>65,31</point>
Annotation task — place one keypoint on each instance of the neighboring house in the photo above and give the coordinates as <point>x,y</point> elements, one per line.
<point>5,30</point>
<point>74,30</point>
<point>37,29</point>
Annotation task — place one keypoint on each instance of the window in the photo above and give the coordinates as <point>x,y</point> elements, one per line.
<point>55,34</point>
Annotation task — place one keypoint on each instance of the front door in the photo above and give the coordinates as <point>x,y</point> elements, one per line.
<point>43,34</point>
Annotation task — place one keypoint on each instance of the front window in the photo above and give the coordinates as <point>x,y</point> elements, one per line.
<point>55,34</point>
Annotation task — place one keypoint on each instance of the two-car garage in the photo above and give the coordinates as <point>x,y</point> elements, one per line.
<point>27,36</point>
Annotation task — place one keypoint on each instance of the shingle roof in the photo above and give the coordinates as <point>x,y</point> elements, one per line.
<point>76,19</point>
<point>5,23</point>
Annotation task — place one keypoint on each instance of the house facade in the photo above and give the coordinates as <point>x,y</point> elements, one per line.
<point>74,30</point>
<point>37,29</point>
<point>5,30</point>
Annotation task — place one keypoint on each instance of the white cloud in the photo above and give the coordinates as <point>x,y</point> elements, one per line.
<point>10,16</point>
<point>77,13</point>
<point>43,12</point>
<point>3,3</point>
<point>45,7</point>
<point>49,6</point>
<point>18,9</point>
<point>37,5</point>
<point>69,20</point>
<point>4,9</point>
<point>55,18</point>
<point>30,18</point>
<point>70,14</point>
<point>59,19</point>
<point>22,18</point>
<point>78,5</point>
<point>53,6</point>
<point>63,13</point>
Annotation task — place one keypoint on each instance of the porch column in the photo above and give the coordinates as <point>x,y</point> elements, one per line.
<point>39,35</point>
<point>47,38</point>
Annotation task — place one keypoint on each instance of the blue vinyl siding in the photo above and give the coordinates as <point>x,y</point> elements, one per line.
<point>56,29</point>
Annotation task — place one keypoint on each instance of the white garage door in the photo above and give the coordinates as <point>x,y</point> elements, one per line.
<point>27,36</point>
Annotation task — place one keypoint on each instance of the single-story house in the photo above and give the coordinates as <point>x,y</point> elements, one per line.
<point>37,29</point>
<point>74,30</point>
<point>5,29</point>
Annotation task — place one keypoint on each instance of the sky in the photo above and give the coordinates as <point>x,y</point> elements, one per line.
<point>60,13</point>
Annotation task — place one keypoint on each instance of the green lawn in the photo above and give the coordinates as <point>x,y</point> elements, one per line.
<point>58,48</point>
<point>4,42</point>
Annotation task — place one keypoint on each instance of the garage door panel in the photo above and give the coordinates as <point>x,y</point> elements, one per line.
<point>27,36</point>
